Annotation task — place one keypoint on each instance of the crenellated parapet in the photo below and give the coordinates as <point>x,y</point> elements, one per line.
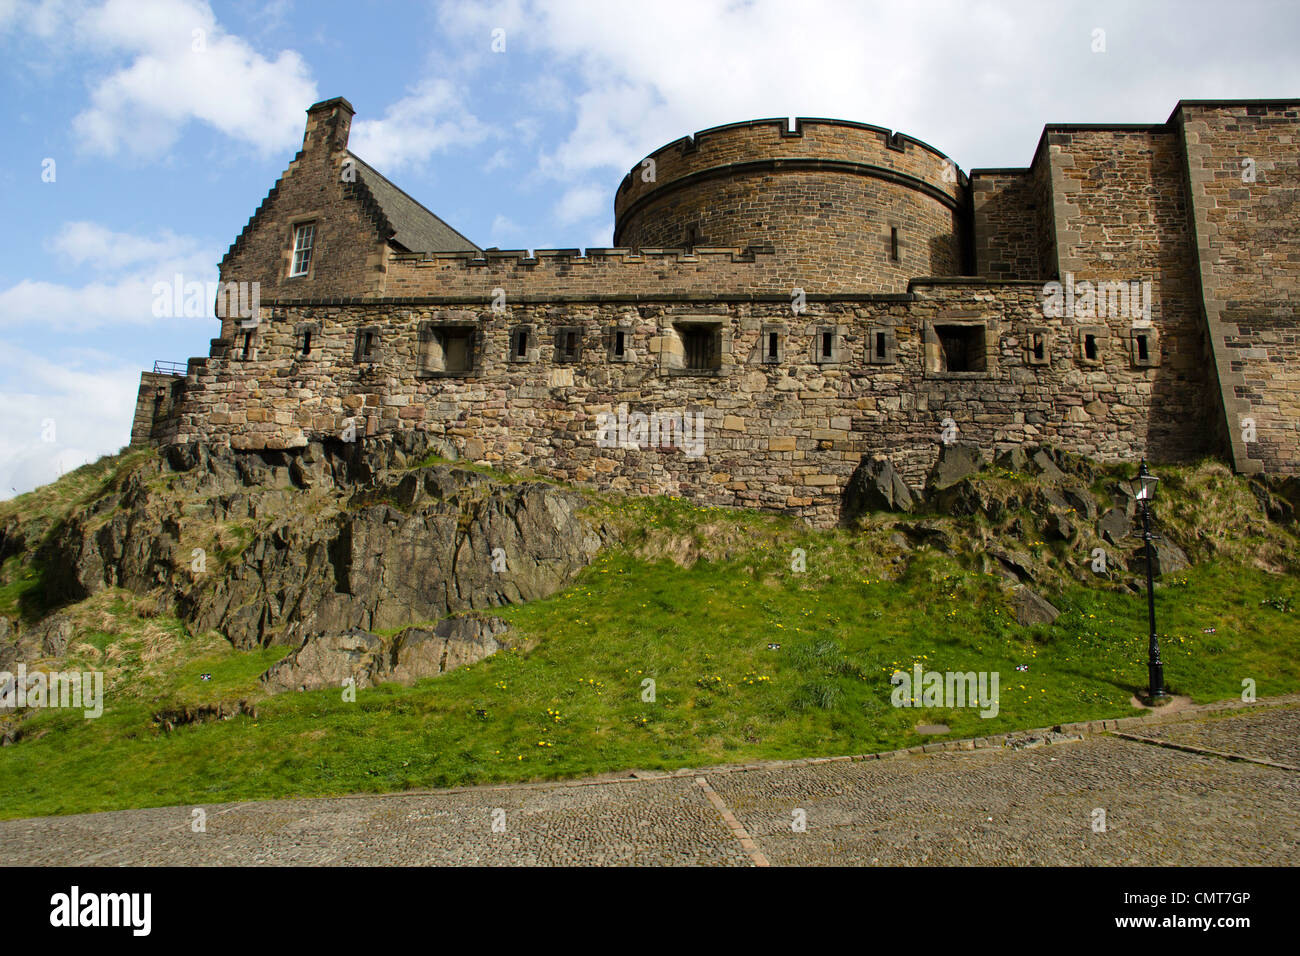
<point>829,195</point>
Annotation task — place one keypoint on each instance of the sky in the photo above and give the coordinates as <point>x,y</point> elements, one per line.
<point>139,136</point>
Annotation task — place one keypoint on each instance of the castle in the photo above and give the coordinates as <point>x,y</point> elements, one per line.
<point>806,294</point>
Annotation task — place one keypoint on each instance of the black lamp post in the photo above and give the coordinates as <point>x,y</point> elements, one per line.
<point>1155,667</point>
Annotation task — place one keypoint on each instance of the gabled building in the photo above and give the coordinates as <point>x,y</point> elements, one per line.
<point>810,293</point>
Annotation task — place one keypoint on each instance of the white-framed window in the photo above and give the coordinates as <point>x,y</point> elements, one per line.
<point>303,234</point>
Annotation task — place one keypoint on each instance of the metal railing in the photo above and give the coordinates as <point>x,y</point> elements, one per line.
<point>170,368</point>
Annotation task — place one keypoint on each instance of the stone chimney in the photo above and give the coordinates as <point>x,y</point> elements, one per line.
<point>328,123</point>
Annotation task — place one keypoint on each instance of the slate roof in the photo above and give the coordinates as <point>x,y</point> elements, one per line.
<point>415,228</point>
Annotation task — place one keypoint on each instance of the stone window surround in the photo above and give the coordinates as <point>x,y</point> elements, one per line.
<point>533,351</point>
<point>294,223</point>
<point>891,345</point>
<point>781,331</point>
<point>299,335</point>
<point>1032,359</point>
<point>561,332</point>
<point>930,349</point>
<point>672,361</point>
<point>245,334</point>
<point>1101,336</point>
<point>629,355</point>
<point>366,358</point>
<point>1153,346</point>
<point>428,330</point>
<point>837,345</point>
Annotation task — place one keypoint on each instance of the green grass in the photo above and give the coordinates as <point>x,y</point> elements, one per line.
<point>567,699</point>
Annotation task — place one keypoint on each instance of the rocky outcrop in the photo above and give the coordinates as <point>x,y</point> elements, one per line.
<point>173,717</point>
<point>342,537</point>
<point>955,462</point>
<point>876,486</point>
<point>1031,608</point>
<point>365,659</point>
<point>1166,558</point>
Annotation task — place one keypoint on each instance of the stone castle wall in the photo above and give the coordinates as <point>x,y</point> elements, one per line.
<point>832,197</point>
<point>1210,339</point>
<point>1247,236</point>
<point>782,435</point>
<point>1006,226</point>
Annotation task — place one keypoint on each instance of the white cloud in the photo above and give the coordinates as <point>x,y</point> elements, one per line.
<point>89,243</point>
<point>432,119</point>
<point>977,80</point>
<point>582,202</point>
<point>503,228</point>
<point>123,269</point>
<point>171,63</point>
<point>86,408</point>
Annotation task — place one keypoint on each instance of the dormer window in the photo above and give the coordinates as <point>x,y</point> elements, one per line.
<point>303,236</point>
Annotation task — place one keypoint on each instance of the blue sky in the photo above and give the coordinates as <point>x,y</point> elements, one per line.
<point>167,122</point>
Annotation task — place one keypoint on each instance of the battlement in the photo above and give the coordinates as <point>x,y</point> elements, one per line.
<point>815,290</point>
<point>776,136</point>
<point>878,205</point>
<point>701,271</point>
<point>592,256</point>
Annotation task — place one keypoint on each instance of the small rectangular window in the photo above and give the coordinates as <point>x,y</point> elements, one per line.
<point>568,344</point>
<point>247,351</point>
<point>306,342</point>
<point>521,343</point>
<point>772,339</point>
<point>1090,347</point>
<point>1144,351</point>
<point>618,343</point>
<point>367,347</point>
<point>700,348</point>
<point>881,346</point>
<point>303,237</point>
<point>828,344</point>
<point>458,350</point>
<point>961,348</point>
<point>893,243</point>
<point>446,349</point>
<point>1040,347</point>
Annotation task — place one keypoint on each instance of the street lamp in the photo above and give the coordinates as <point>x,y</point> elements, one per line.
<point>1155,667</point>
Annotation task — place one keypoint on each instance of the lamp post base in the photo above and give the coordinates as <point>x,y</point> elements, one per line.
<point>1155,700</point>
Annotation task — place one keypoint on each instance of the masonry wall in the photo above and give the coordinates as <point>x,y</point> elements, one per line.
<point>826,194</point>
<point>1007,226</point>
<point>1247,236</point>
<point>784,436</point>
<point>1121,213</point>
<point>154,406</point>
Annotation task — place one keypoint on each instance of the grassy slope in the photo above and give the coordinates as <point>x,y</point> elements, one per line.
<point>567,700</point>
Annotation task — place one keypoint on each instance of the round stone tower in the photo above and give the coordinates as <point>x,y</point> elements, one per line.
<point>845,206</point>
